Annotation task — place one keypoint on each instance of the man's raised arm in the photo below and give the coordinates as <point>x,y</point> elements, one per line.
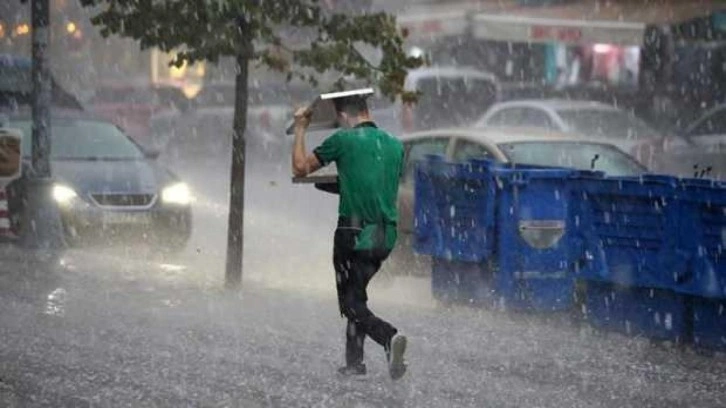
<point>303,163</point>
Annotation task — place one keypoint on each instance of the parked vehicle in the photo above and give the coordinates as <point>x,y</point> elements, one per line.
<point>706,154</point>
<point>16,85</point>
<point>207,129</point>
<point>132,106</point>
<point>594,119</point>
<point>710,129</point>
<point>107,186</point>
<point>531,146</point>
<point>449,96</point>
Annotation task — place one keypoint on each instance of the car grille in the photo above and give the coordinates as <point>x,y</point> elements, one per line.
<point>123,200</point>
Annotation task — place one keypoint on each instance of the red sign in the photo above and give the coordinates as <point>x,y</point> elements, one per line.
<point>564,34</point>
<point>426,27</point>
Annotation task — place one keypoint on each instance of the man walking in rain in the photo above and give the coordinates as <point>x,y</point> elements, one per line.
<point>369,163</point>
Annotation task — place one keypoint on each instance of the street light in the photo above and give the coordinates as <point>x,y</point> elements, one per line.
<point>22,29</point>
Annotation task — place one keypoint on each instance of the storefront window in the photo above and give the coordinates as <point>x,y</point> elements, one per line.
<point>604,64</point>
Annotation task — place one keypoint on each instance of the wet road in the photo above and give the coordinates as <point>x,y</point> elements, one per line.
<point>126,328</point>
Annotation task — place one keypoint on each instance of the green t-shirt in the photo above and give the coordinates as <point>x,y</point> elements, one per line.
<point>369,162</point>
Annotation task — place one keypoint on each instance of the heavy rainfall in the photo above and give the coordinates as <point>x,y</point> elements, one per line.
<point>560,212</point>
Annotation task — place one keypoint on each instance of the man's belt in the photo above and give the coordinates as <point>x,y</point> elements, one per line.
<point>353,222</point>
<point>350,222</point>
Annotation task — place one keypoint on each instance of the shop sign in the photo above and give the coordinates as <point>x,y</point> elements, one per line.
<point>552,33</point>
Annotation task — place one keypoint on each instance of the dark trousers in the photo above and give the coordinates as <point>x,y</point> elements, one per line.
<point>353,270</point>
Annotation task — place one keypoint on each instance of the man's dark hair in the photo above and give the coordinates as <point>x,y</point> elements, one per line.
<point>353,105</point>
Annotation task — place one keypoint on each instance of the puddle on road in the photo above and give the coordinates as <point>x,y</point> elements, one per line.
<point>171,302</point>
<point>172,267</point>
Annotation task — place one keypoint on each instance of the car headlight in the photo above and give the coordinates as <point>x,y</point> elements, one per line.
<point>176,194</point>
<point>63,194</point>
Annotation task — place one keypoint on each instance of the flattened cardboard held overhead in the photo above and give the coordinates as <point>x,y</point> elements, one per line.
<point>324,116</point>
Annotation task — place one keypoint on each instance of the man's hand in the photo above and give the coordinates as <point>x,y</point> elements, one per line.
<point>302,162</point>
<point>303,117</point>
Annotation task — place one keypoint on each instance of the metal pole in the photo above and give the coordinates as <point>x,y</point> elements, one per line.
<point>41,226</point>
<point>40,17</point>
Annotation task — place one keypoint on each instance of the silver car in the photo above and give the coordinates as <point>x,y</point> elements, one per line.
<point>594,119</point>
<point>706,156</point>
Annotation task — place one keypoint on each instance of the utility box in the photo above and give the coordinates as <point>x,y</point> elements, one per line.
<point>10,155</point>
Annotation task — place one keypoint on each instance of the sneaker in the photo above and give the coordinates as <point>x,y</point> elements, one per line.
<point>358,369</point>
<point>394,353</point>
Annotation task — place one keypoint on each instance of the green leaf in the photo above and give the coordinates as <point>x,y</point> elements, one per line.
<point>292,36</point>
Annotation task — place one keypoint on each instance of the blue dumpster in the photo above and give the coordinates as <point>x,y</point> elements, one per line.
<point>534,232</point>
<point>649,250</point>
<point>633,266</point>
<point>709,323</point>
<point>602,306</point>
<point>426,241</point>
<point>454,223</point>
<point>528,264</point>
<point>646,312</point>
<point>630,230</point>
<point>703,236</point>
<point>454,209</point>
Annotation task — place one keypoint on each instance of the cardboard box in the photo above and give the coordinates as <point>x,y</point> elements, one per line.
<point>326,175</point>
<point>324,116</point>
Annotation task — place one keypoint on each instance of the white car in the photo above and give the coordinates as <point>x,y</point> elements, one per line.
<point>531,146</point>
<point>594,119</point>
<point>207,129</point>
<point>449,96</point>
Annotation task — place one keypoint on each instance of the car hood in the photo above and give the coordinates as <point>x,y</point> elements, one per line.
<point>111,176</point>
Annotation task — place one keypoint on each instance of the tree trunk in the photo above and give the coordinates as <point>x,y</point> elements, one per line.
<point>235,224</point>
<point>40,19</point>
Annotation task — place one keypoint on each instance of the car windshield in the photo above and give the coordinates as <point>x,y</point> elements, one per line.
<point>607,123</point>
<point>577,155</point>
<point>78,139</point>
